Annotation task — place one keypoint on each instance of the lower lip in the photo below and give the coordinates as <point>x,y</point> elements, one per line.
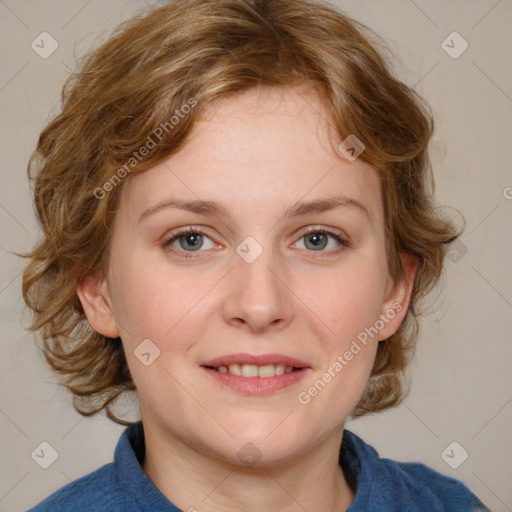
<point>258,385</point>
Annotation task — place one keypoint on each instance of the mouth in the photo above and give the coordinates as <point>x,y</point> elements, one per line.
<point>252,370</point>
<point>256,374</point>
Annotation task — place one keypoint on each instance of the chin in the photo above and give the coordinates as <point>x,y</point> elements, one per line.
<point>273,427</point>
<point>262,453</point>
<point>263,445</point>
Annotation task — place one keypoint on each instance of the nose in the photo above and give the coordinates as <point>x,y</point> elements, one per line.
<point>258,297</point>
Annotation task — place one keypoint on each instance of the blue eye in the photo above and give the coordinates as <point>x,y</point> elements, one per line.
<point>316,240</point>
<point>319,238</point>
<point>188,238</point>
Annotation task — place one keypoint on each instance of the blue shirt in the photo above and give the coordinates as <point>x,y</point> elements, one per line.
<point>380,485</point>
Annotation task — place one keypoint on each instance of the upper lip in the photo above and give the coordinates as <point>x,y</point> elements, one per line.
<point>258,360</point>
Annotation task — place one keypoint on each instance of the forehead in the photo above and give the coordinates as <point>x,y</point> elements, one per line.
<point>263,148</point>
<point>266,123</point>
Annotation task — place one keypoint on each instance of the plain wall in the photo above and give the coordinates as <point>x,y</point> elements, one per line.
<point>461,387</point>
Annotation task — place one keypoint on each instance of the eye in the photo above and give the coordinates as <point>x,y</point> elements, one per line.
<point>189,238</point>
<point>316,239</point>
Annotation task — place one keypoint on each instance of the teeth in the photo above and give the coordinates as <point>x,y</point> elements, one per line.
<point>267,371</point>
<point>251,370</point>
<point>279,369</point>
<point>235,369</point>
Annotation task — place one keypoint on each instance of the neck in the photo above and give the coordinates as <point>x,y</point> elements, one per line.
<point>193,480</point>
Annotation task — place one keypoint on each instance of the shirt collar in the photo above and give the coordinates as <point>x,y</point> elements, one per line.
<point>139,491</point>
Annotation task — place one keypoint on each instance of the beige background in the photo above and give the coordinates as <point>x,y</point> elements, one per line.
<point>461,386</point>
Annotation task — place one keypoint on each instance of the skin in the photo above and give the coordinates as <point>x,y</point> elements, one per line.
<point>258,152</point>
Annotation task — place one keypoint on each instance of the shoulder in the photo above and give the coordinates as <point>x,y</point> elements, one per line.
<point>387,485</point>
<point>96,491</point>
<point>423,484</point>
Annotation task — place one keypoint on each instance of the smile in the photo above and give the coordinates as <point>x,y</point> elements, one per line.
<point>251,370</point>
<point>256,374</point>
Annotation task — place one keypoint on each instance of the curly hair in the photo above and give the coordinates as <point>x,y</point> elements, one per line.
<point>142,76</point>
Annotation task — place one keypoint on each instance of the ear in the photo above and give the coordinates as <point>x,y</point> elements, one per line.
<point>398,295</point>
<point>94,296</point>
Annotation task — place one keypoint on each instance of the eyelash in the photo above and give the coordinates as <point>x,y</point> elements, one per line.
<point>191,230</point>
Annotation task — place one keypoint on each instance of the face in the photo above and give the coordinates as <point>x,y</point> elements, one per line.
<point>258,280</point>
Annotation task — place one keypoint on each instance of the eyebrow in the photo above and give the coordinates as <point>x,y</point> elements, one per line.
<point>204,207</point>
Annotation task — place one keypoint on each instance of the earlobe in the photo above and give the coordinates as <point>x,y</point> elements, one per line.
<point>394,309</point>
<point>94,296</point>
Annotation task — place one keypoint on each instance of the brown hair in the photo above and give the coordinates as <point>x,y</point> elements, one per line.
<point>192,52</point>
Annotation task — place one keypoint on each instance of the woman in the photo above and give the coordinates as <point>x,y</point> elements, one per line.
<point>238,225</point>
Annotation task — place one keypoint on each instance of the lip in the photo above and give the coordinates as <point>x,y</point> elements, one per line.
<point>257,385</point>
<point>258,360</point>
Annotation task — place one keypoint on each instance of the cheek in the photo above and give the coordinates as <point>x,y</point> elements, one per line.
<point>152,299</point>
<point>348,299</point>
<point>347,304</point>
<point>348,349</point>
<point>160,304</point>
